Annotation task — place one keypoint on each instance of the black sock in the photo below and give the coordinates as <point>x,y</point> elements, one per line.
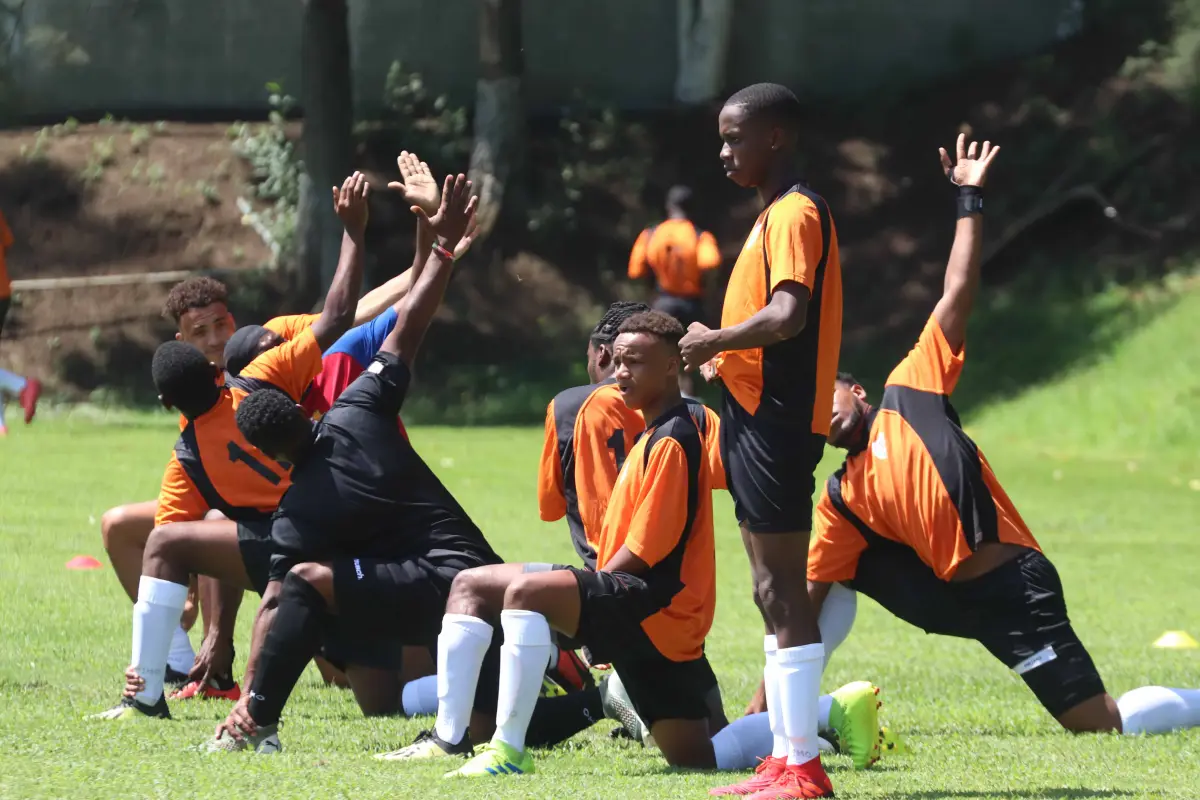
<point>556,719</point>
<point>295,637</point>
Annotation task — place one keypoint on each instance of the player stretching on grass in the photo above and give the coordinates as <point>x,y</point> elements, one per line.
<point>199,308</point>
<point>776,354</point>
<point>368,538</point>
<point>215,469</point>
<point>917,520</point>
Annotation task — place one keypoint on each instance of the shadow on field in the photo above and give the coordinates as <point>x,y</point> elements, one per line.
<point>1021,334</point>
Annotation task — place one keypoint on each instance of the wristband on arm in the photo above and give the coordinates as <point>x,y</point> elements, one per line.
<point>970,201</point>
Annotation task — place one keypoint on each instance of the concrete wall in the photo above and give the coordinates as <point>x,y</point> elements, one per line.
<point>160,55</point>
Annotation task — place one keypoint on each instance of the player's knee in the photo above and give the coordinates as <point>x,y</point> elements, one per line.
<point>161,543</point>
<point>318,576</point>
<point>523,593</point>
<point>470,591</point>
<point>114,527</point>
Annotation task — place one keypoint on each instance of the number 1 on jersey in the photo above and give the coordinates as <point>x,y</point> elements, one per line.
<point>236,454</point>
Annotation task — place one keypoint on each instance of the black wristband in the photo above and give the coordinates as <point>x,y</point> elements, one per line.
<point>970,201</point>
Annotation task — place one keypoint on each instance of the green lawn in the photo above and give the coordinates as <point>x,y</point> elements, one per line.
<point>1103,462</point>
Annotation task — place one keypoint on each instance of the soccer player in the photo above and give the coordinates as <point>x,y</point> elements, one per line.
<point>678,256</point>
<point>214,469</point>
<point>367,538</point>
<point>26,390</point>
<point>200,310</point>
<point>916,518</point>
<point>776,355</point>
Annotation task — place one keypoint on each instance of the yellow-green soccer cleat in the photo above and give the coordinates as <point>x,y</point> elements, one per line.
<point>131,709</point>
<point>495,760</point>
<point>854,719</point>
<point>428,745</point>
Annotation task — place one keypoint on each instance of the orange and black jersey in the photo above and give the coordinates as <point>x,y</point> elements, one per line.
<point>589,431</point>
<point>213,466</point>
<point>790,382</point>
<point>678,254</point>
<point>919,479</point>
<point>661,509</point>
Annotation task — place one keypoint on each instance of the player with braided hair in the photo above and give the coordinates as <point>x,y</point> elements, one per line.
<point>776,355</point>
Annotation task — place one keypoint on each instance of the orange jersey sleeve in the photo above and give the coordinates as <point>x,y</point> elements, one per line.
<point>178,498</point>
<point>289,367</point>
<point>552,502</point>
<point>661,510</point>
<point>931,366</point>
<point>290,326</point>
<point>792,241</point>
<point>712,447</point>
<point>836,544</point>
<point>638,268</point>
<point>708,255</point>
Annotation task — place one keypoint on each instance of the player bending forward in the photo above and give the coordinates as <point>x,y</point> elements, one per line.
<point>917,520</point>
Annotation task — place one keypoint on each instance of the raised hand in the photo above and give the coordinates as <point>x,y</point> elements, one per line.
<point>419,188</point>
<point>455,214</point>
<point>464,244</point>
<point>350,204</point>
<point>972,162</point>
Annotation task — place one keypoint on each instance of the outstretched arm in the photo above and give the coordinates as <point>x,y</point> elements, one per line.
<point>449,225</point>
<point>962,270</point>
<point>337,315</point>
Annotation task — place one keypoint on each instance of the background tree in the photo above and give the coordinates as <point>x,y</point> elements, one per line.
<point>497,154</point>
<point>327,99</point>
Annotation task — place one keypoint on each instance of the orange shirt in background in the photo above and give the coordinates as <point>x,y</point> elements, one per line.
<point>920,480</point>
<point>790,382</point>
<point>678,254</point>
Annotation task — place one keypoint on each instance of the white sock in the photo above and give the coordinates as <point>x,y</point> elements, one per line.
<point>837,617</point>
<point>462,644</point>
<point>1156,709</point>
<point>156,616</point>
<point>420,697</point>
<point>11,383</point>
<point>744,742</point>
<point>774,705</point>
<point>799,687</point>
<point>182,656</point>
<point>824,705</point>
<point>523,661</point>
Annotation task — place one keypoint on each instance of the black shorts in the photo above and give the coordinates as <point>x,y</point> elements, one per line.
<point>1023,622</point>
<point>612,606</point>
<point>893,575</point>
<point>5,304</point>
<point>384,605</point>
<point>1017,611</point>
<point>254,541</point>
<point>685,309</point>
<point>769,470</point>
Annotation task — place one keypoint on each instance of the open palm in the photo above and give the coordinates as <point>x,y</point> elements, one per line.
<point>971,165</point>
<point>419,188</point>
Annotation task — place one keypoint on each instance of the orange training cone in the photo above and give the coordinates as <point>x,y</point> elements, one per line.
<point>83,562</point>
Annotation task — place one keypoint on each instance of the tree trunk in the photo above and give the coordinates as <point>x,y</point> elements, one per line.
<point>326,97</point>
<point>704,27</point>
<point>499,113</point>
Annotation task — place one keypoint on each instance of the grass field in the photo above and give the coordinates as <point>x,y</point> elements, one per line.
<point>1104,463</point>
